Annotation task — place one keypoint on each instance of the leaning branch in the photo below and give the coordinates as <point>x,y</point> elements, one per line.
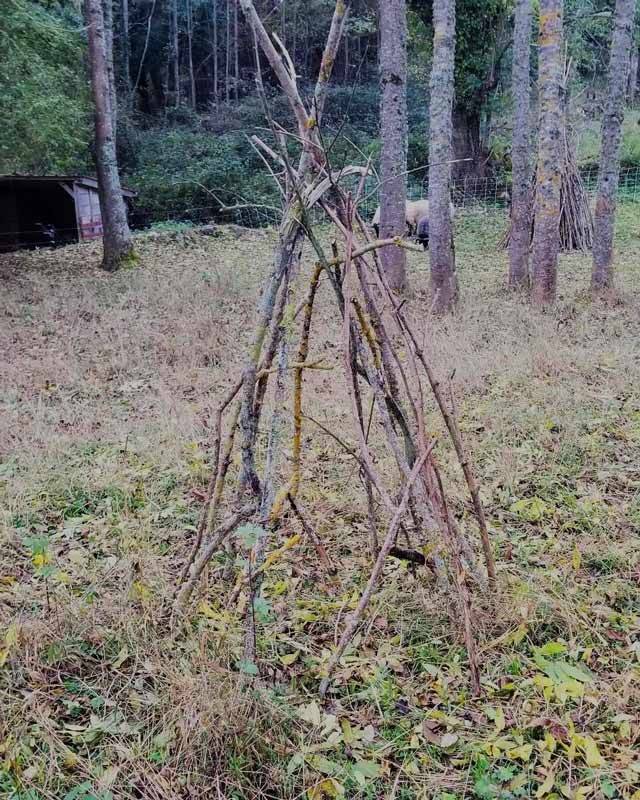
<point>388,543</point>
<point>287,82</point>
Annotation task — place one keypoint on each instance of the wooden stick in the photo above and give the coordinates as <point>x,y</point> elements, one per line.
<point>311,533</point>
<point>217,539</point>
<point>209,507</point>
<point>387,544</point>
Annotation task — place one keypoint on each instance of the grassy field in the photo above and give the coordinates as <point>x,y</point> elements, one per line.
<point>108,385</point>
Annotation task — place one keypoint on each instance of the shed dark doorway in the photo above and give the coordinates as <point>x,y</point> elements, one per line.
<point>49,210</point>
<point>36,215</point>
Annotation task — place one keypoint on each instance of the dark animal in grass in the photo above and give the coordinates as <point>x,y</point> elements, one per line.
<point>422,234</point>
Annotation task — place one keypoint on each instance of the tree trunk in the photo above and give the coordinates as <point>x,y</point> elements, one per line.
<point>467,143</point>
<point>393,116</point>
<point>294,35</point>
<point>609,173</point>
<point>107,7</point>
<point>444,282</point>
<point>192,77</point>
<point>126,47</point>
<point>215,52</point>
<point>227,62</point>
<point>345,75</point>
<point>632,89</point>
<point>520,156</point>
<point>117,244</point>
<point>546,238</point>
<point>175,51</point>
<point>236,53</point>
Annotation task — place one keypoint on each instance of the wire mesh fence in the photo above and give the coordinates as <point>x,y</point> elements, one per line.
<point>471,193</point>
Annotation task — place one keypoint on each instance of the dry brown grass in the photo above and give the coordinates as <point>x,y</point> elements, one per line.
<point>107,389</point>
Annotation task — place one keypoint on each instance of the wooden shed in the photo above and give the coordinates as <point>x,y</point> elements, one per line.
<point>37,211</point>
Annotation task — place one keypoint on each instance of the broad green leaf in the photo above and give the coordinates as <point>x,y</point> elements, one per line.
<point>295,762</point>
<point>262,608</point>
<point>553,649</point>
<point>369,769</point>
<point>248,667</point>
<point>533,509</point>
<point>323,765</point>
<point>250,534</point>
<point>289,658</point>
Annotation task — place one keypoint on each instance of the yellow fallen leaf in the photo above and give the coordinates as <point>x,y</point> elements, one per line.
<point>122,656</point>
<point>591,753</point>
<point>205,608</point>
<point>12,635</point>
<point>292,541</point>
<point>40,559</point>
<point>288,658</point>
<point>328,788</point>
<point>499,720</point>
<point>70,759</point>
<point>547,785</point>
<point>140,592</point>
<point>576,559</point>
<point>523,752</point>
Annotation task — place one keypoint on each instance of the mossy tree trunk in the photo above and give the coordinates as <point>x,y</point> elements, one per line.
<point>521,157</point>
<point>111,73</point>
<point>546,238</point>
<point>126,47</point>
<point>608,175</point>
<point>444,282</point>
<point>393,116</point>
<point>632,89</point>
<point>117,244</point>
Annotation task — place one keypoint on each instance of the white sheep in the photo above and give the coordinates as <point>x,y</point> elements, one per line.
<point>415,210</point>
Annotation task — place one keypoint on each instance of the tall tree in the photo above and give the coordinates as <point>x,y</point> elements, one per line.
<point>192,77</point>
<point>483,39</point>
<point>126,46</point>
<point>520,150</point>
<point>227,63</point>
<point>214,55</point>
<point>175,51</point>
<point>608,175</point>
<point>444,282</point>
<point>236,52</point>
<point>632,89</point>
<point>546,237</point>
<point>117,244</point>
<point>107,8</point>
<point>393,116</point>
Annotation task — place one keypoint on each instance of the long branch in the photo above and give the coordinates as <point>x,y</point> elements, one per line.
<point>218,538</point>
<point>277,63</point>
<point>388,543</point>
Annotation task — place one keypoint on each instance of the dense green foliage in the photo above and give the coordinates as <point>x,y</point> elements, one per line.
<point>187,158</point>
<point>44,98</point>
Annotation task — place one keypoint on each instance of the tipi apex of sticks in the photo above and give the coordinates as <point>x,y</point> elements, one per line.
<point>374,330</point>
